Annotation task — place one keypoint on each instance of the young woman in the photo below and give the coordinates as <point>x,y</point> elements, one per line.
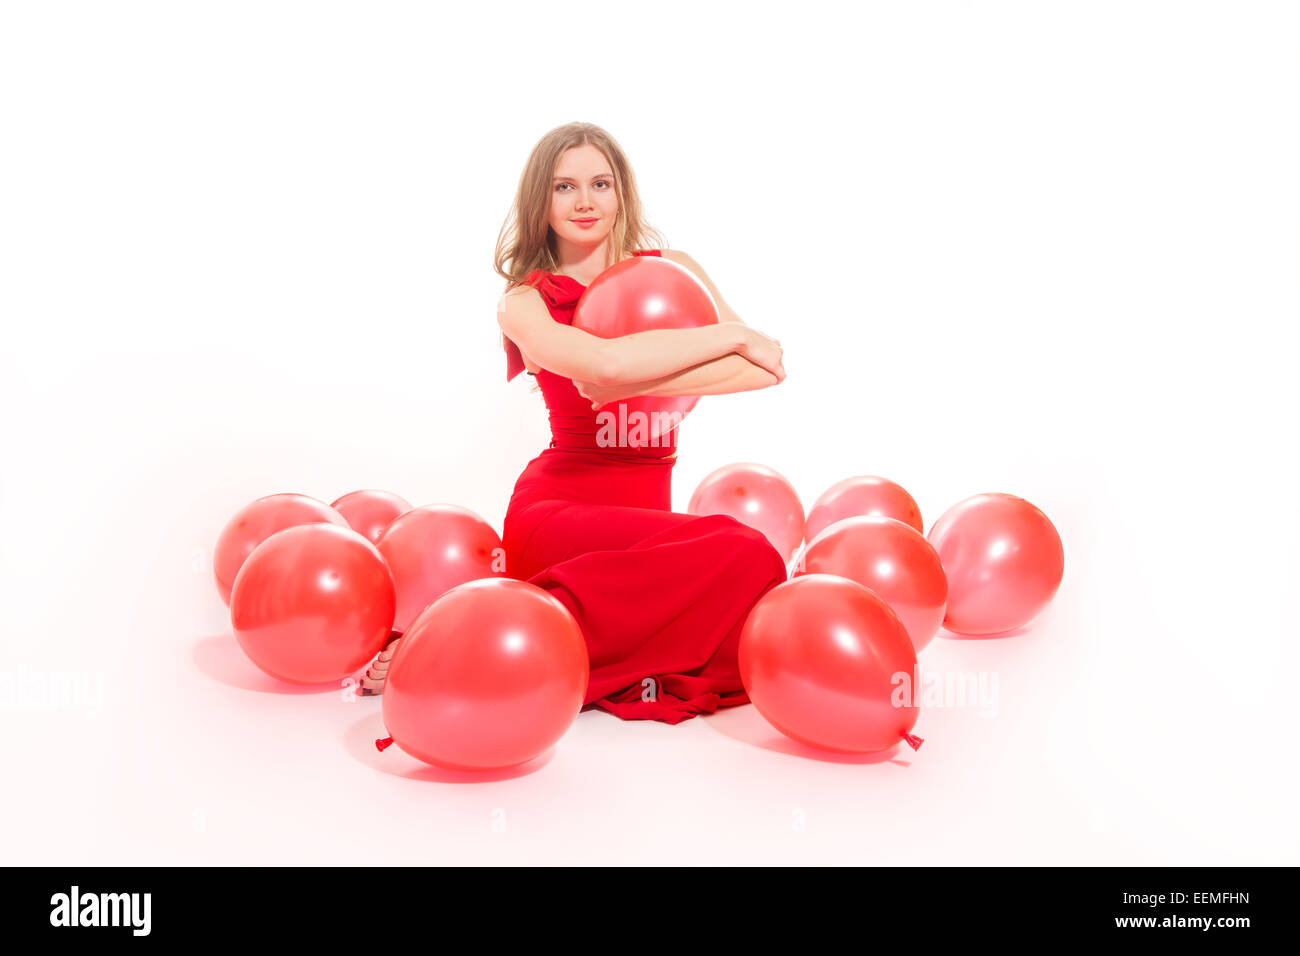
<point>660,596</point>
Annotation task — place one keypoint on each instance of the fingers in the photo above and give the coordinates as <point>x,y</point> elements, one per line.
<point>373,683</point>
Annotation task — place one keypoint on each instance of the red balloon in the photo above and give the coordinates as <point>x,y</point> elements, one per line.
<point>863,495</point>
<point>313,603</point>
<point>636,295</point>
<point>433,548</point>
<point>257,521</point>
<point>893,560</point>
<point>490,675</point>
<point>370,511</point>
<point>828,664</point>
<point>1004,562</point>
<point>756,495</point>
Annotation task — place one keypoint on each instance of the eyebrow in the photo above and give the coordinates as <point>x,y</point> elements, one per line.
<point>571,179</point>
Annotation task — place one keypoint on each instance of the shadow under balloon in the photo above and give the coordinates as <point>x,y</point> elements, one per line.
<point>1020,631</point>
<point>220,658</point>
<point>359,742</point>
<point>745,724</point>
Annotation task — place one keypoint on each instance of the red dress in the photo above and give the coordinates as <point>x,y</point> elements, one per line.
<point>660,596</point>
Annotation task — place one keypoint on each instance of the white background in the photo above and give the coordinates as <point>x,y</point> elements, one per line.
<point>1042,248</point>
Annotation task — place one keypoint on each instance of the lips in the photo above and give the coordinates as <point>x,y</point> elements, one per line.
<point>583,220</point>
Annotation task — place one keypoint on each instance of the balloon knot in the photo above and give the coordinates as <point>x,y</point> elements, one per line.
<point>914,741</point>
<point>384,744</point>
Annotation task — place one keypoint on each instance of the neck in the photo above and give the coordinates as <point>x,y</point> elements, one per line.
<point>583,263</point>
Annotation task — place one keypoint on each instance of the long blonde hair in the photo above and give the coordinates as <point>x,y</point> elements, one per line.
<point>526,241</point>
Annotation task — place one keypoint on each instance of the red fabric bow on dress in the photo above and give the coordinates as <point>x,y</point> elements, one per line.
<point>560,292</point>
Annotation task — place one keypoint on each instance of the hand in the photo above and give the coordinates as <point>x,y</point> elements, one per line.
<point>596,394</point>
<point>764,351</point>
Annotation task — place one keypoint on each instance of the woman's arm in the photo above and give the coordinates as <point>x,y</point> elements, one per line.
<point>638,357</point>
<point>720,376</point>
<point>762,353</point>
<point>645,356</point>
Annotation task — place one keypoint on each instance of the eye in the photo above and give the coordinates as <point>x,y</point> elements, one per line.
<point>604,182</point>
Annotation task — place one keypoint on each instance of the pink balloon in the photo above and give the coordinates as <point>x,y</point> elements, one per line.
<point>312,603</point>
<point>828,663</point>
<point>636,295</point>
<point>1003,559</point>
<point>370,512</point>
<point>863,495</point>
<point>432,549</point>
<point>489,675</point>
<point>756,495</point>
<point>892,559</point>
<point>257,521</point>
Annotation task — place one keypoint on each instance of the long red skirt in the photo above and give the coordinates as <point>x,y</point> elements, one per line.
<point>660,596</point>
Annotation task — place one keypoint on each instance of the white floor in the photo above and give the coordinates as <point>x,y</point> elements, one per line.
<point>1108,732</point>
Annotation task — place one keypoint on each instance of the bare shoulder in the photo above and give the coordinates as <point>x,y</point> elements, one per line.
<point>521,302</point>
<point>725,312</point>
<point>684,259</point>
<point>520,293</point>
<point>681,258</point>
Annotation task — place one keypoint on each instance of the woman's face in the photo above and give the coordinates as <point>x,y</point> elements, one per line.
<point>583,189</point>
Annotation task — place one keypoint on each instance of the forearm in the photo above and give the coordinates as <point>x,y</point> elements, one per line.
<point>646,356</point>
<point>719,376</point>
